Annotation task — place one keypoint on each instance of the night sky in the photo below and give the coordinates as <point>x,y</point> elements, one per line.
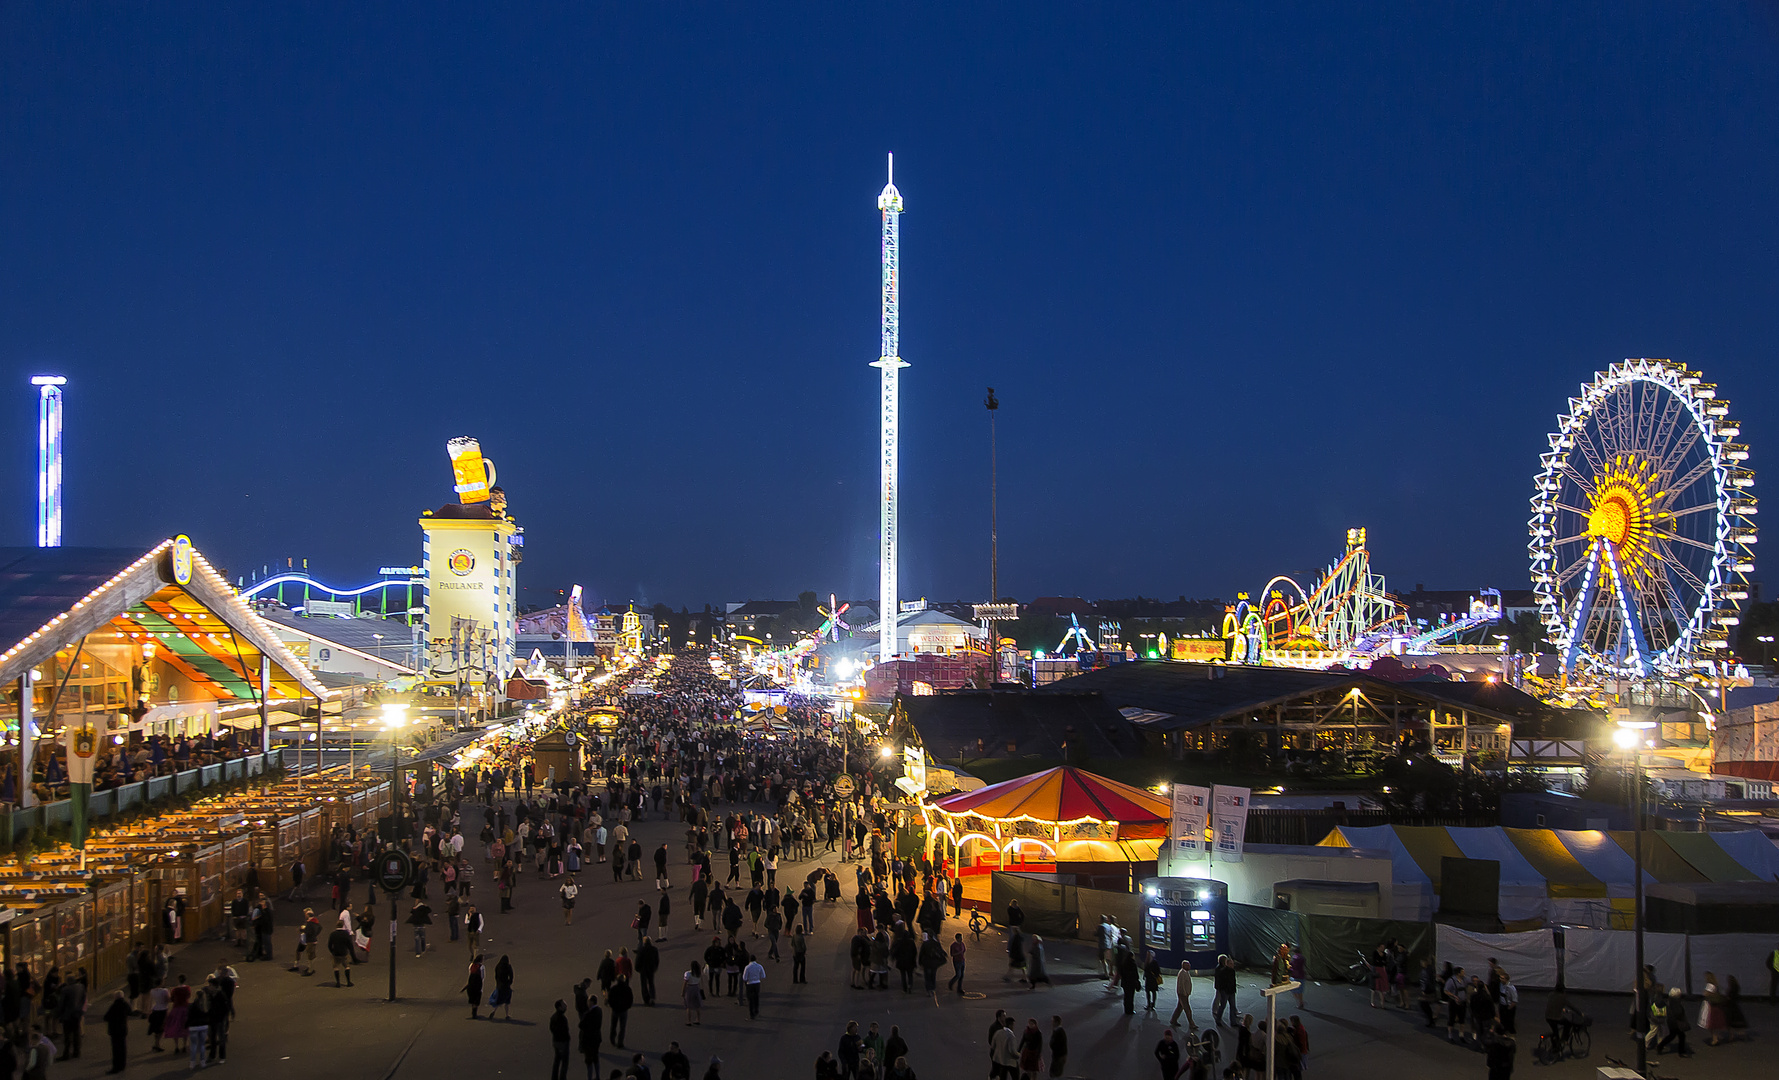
<point>1240,279</point>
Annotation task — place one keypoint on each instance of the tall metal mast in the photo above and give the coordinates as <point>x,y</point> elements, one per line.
<point>890,204</point>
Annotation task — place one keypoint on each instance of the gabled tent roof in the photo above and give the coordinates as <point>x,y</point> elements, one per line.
<point>52,597</point>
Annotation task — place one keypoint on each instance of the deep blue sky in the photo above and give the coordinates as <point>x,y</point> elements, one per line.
<point>1240,278</point>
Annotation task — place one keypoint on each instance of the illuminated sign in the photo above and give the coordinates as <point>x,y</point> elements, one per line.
<point>182,560</point>
<point>461,562</point>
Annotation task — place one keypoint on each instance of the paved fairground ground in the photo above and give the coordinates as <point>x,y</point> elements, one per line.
<point>292,1026</point>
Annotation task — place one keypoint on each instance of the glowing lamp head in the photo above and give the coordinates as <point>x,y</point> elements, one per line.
<point>888,751</point>
<point>1625,738</point>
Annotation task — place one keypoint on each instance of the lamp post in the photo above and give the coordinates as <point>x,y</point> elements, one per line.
<point>1630,738</point>
<point>395,717</point>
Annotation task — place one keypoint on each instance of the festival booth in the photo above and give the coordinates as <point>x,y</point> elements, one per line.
<point>1583,878</point>
<point>1062,820</point>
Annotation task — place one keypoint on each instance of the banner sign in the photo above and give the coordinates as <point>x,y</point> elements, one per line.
<point>1231,806</point>
<point>1187,833</point>
<point>83,747</point>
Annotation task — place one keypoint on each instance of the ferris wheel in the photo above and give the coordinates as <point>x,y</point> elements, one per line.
<point>1642,525</point>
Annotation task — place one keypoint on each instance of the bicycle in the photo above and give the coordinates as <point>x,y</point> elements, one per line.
<point>978,923</point>
<point>1573,1041</point>
<point>1203,1044</point>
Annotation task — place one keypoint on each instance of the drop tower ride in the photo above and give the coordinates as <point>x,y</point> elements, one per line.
<point>889,203</point>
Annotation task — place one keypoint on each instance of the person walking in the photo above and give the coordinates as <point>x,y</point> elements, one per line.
<point>1003,1051</point>
<point>1223,983</point>
<point>662,906</point>
<point>692,993</point>
<point>503,988</point>
<point>1128,977</point>
<point>1674,1014</point>
<point>1151,980</point>
<point>472,929</point>
<point>569,891</point>
<point>1183,996</point>
<point>751,977</point>
<point>1499,1048</point>
<point>1031,1051</point>
<point>117,1026</point>
<point>591,1034</point>
<point>1037,967</point>
<point>648,961</point>
<point>932,958</point>
<point>339,948</point>
<point>472,987</point>
<point>559,1041</point>
<point>958,951</point>
<point>799,956</point>
<point>197,1027</point>
<point>1167,1054</point>
<point>420,917</point>
<point>619,999</point>
<point>1059,1046</point>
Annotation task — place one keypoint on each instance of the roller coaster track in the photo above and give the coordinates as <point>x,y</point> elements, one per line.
<point>314,587</point>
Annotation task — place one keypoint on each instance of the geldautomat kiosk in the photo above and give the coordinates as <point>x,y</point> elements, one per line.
<point>1185,919</point>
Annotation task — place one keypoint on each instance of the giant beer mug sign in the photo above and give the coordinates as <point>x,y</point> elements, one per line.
<point>473,473</point>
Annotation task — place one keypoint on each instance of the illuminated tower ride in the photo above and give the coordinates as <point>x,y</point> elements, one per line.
<point>49,459</point>
<point>890,203</point>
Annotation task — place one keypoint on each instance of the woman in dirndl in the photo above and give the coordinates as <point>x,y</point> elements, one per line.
<point>1711,1014</point>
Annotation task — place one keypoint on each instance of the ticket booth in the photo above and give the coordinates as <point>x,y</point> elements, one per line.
<point>1186,919</point>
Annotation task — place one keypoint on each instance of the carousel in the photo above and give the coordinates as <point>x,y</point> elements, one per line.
<point>1061,820</point>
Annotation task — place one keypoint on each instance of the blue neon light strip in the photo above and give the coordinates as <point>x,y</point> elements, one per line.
<point>304,579</point>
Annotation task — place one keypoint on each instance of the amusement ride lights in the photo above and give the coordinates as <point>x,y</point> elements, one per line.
<point>49,459</point>
<point>1642,496</point>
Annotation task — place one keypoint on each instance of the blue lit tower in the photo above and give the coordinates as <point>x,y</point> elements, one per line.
<point>891,364</point>
<point>49,459</point>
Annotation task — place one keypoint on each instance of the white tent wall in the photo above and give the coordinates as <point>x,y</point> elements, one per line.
<point>1530,959</point>
<point>1595,960</point>
<point>1607,959</point>
<point>1741,955</point>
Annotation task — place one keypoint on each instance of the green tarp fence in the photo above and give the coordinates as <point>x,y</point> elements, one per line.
<point>1331,943</point>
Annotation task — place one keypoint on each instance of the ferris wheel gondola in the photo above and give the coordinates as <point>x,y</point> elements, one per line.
<point>1642,525</point>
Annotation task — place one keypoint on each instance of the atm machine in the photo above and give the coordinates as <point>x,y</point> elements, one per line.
<point>1185,919</point>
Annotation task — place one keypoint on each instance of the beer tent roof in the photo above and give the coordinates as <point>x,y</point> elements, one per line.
<point>1600,856</point>
<point>1706,855</point>
<point>1753,850</point>
<point>1660,861</point>
<point>1544,850</point>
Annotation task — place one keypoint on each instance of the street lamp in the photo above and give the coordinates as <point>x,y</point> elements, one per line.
<point>1630,738</point>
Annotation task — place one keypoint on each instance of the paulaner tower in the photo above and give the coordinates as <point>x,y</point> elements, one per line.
<point>889,203</point>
